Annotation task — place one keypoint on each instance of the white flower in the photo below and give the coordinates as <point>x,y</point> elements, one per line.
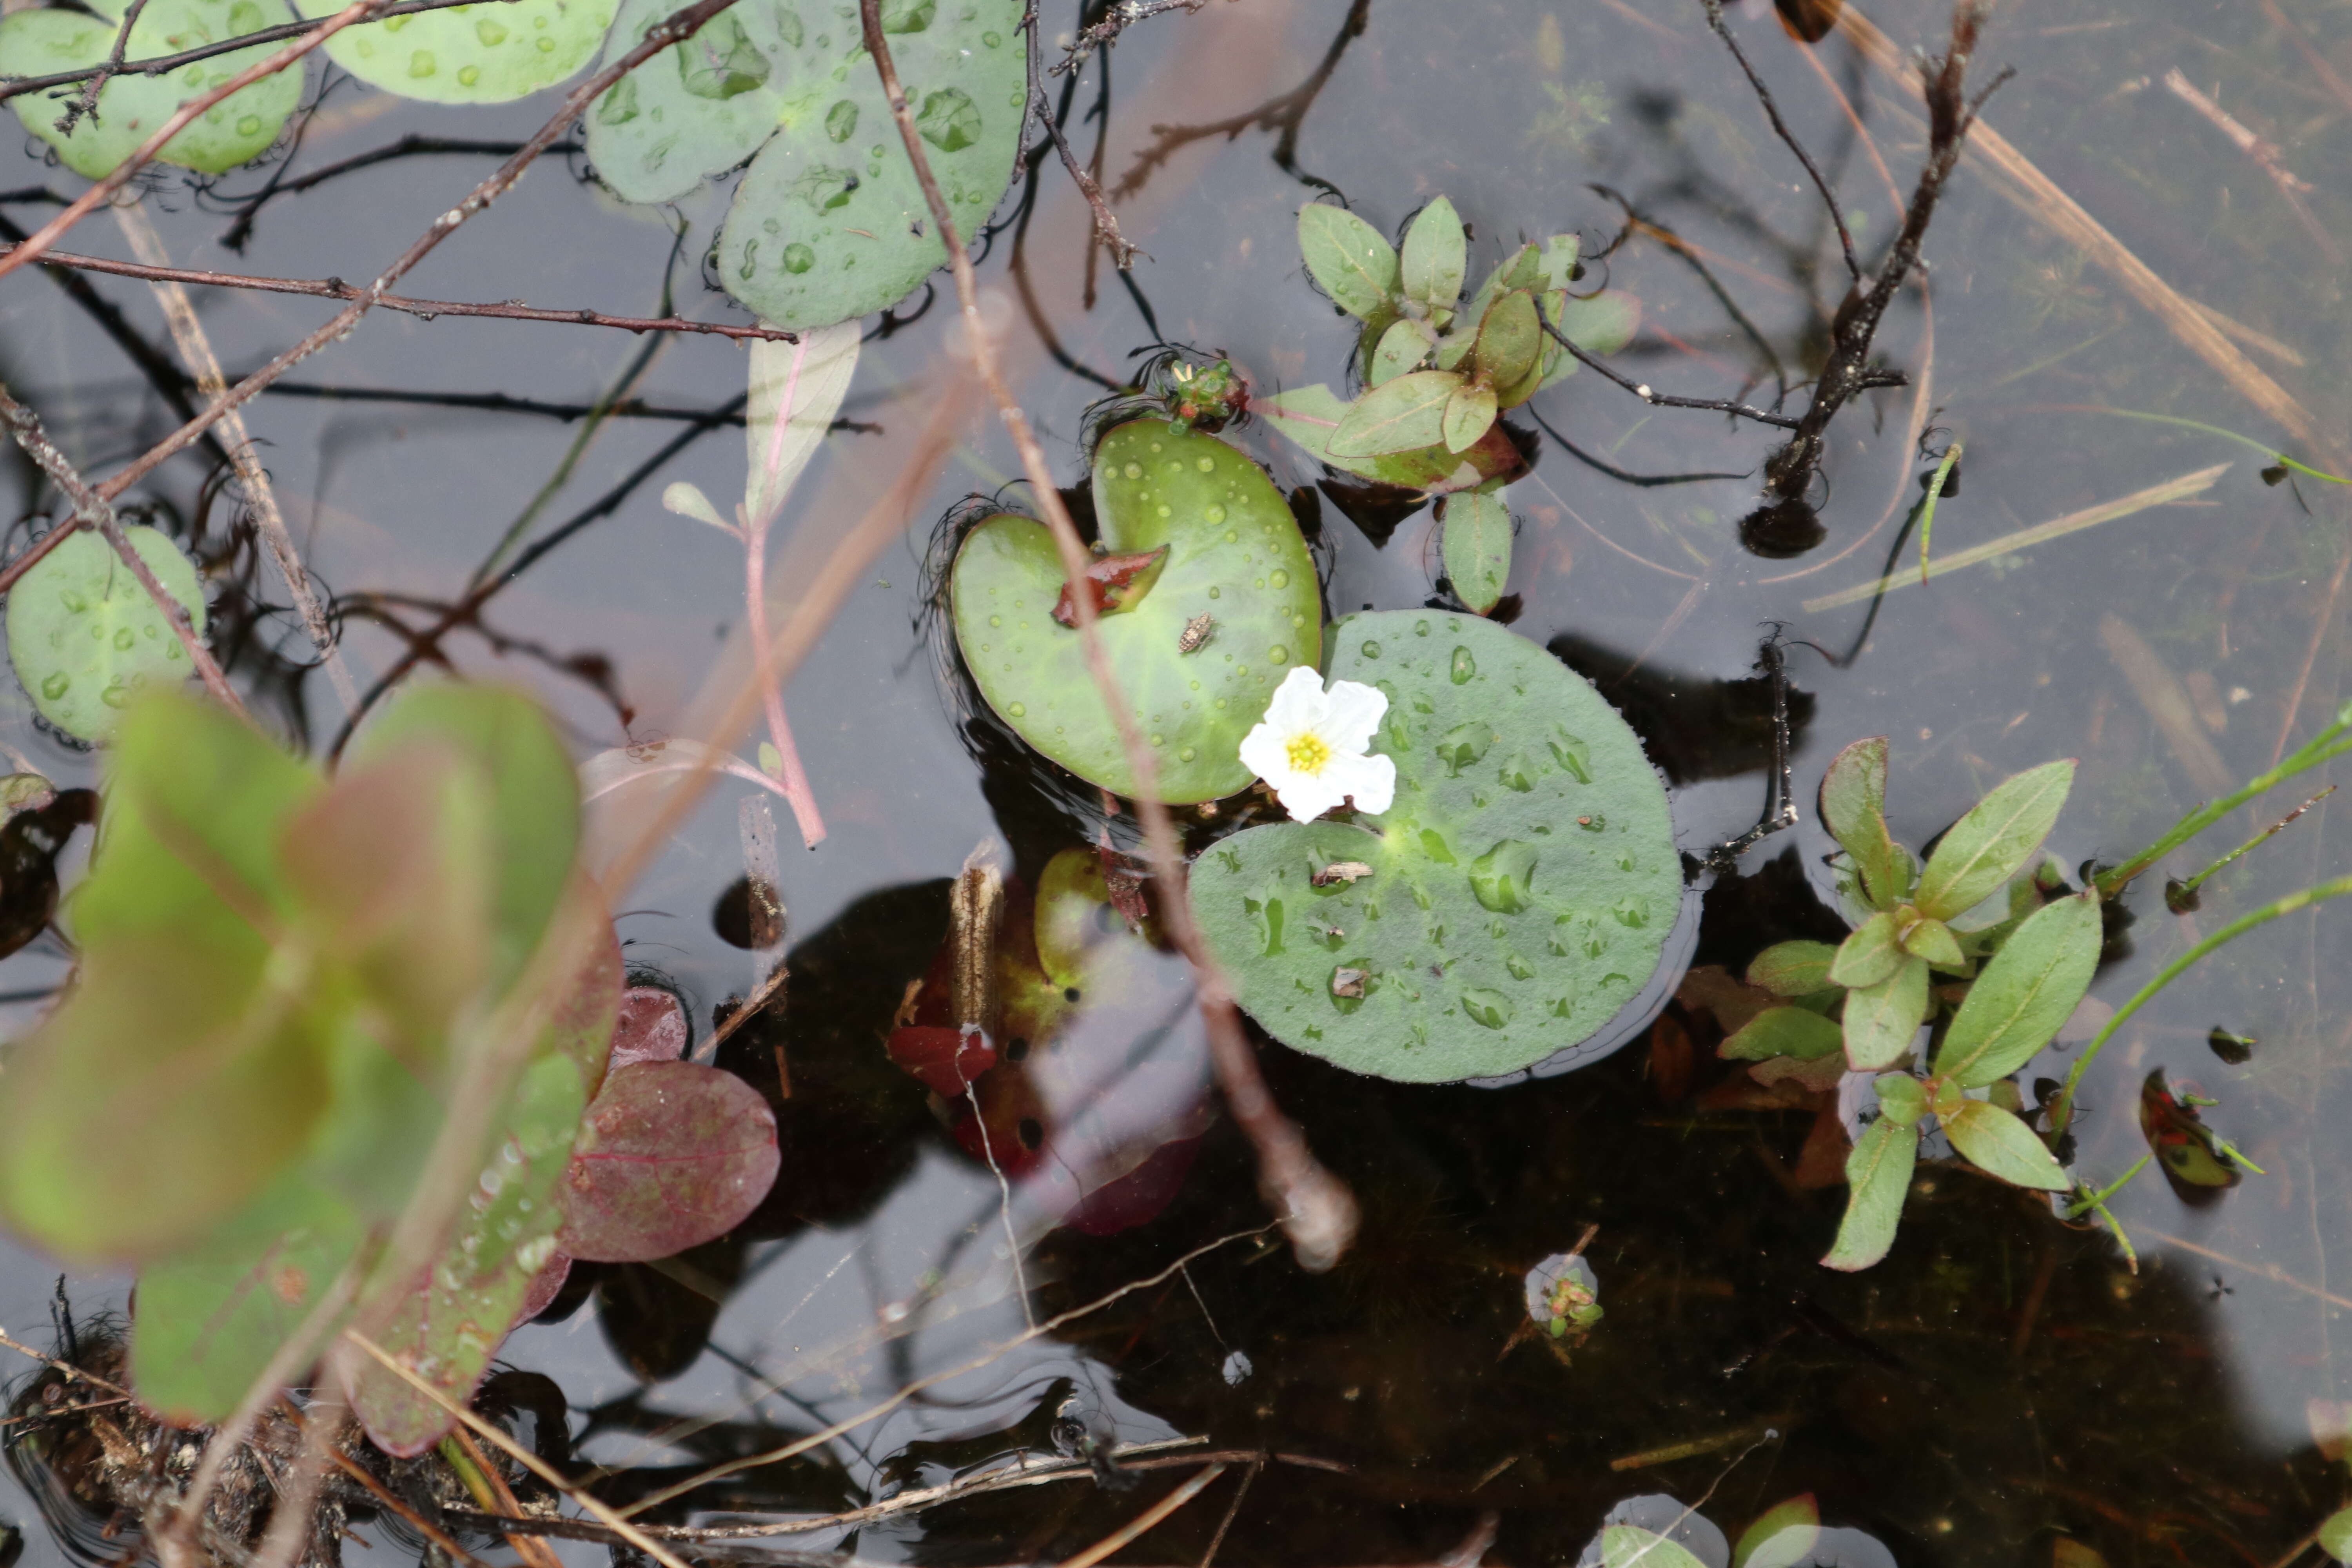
<point>1310,746</point>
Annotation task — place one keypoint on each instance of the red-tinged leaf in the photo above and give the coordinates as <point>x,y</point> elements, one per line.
<point>651,1027</point>
<point>670,1156</point>
<point>545,1286</point>
<point>1116,581</point>
<point>944,1058</point>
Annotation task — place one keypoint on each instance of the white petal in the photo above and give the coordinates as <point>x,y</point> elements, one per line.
<point>1371,780</point>
<point>1298,703</point>
<point>1353,716</point>
<point>1308,796</point>
<point>1266,753</point>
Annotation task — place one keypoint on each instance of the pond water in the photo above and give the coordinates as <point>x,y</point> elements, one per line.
<point>2003,1382</point>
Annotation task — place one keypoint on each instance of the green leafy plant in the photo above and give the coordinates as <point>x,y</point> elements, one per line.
<point>471,53</point>
<point>1208,598</point>
<point>2011,985</point>
<point>85,637</point>
<point>133,107</point>
<point>1516,896</point>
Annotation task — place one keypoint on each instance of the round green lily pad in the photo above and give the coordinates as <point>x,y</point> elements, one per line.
<point>829,223</point>
<point>1198,653</point>
<point>471,53</point>
<point>698,108</point>
<point>85,637</point>
<point>235,131</point>
<point>1513,899</point>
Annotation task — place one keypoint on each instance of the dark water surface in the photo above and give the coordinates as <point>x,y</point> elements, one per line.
<point>2002,1380</point>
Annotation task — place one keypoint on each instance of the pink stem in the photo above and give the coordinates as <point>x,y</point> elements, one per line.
<point>796,791</point>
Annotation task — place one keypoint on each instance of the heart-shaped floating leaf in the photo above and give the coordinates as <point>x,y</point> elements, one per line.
<point>829,223</point>
<point>85,636</point>
<point>132,108</point>
<point>698,108</point>
<point>671,1155</point>
<point>471,53</point>
<point>1521,888</point>
<point>1235,556</point>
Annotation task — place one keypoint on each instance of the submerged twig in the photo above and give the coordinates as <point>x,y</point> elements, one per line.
<point>85,102</point>
<point>1106,232</point>
<point>1316,1210</point>
<point>1788,137</point>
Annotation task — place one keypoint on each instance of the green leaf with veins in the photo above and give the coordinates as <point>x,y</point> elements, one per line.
<point>2027,992</point>
<point>85,635</point>
<point>1469,413</point>
<point>1882,1020</point>
<point>1999,1144</point>
<point>653,137</point>
<point>1401,348</point>
<point>1509,341</point>
<point>1792,968</point>
<point>1235,556</point>
<point>1523,883</point>
<point>1869,953</point>
<point>1997,838</point>
<point>829,223</point>
<point>1311,416</point>
<point>1796,1032</point>
<point>131,107</point>
<point>1400,415</point>
<point>1348,258</point>
<point>1853,808</point>
<point>1476,546</point>
<point>1878,1177</point>
<point>471,53</point>
<point>1435,252</point>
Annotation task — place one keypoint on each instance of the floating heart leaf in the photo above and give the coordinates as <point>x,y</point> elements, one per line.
<point>85,636</point>
<point>471,53</point>
<point>829,223</point>
<point>132,108</point>
<point>1521,887</point>
<point>1234,555</point>
<point>666,126</point>
<point>672,1154</point>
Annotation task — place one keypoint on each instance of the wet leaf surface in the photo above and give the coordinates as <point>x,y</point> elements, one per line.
<point>671,1155</point>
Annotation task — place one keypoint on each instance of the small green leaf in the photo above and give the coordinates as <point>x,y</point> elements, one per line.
<point>1311,416</point>
<point>1509,341</point>
<point>1476,545</point>
<point>1853,808</point>
<point>1868,955</point>
<point>1631,1546</point>
<point>85,637</point>
<point>1903,1098</point>
<point>1999,1144</point>
<point>466,55</point>
<point>1878,1177</point>
<point>1349,258</point>
<point>1469,413</point>
<point>1781,1537</point>
<point>1933,941</point>
<point>1397,416</point>
<point>2027,992</point>
<point>1792,968</point>
<point>1998,835</point>
<point>1401,348</point>
<point>1882,1020</point>
<point>1797,1032</point>
<point>2335,1535</point>
<point>1435,253</point>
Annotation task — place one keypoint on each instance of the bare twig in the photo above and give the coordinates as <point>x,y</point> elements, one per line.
<point>196,349</point>
<point>1316,1210</point>
<point>249,208</point>
<point>1121,16</point>
<point>91,510</point>
<point>1781,129</point>
<point>679,25</point>
<point>2292,186</point>
<point>163,65</point>
<point>336,289</point>
<point>1659,399</point>
<point>85,100</point>
<point>104,191</point>
<point>1122,249</point>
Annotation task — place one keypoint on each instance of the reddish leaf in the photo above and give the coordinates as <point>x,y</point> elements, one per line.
<point>670,1156</point>
<point>1117,583</point>
<point>652,1028</point>
<point>946,1059</point>
<point>545,1286</point>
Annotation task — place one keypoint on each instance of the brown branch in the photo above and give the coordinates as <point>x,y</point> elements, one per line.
<point>1122,249</point>
<point>85,100</point>
<point>162,65</point>
<point>679,26</point>
<point>336,289</point>
<point>1122,14</point>
<point>91,510</point>
<point>99,195</point>
<point>1788,137</point>
<point>1316,1210</point>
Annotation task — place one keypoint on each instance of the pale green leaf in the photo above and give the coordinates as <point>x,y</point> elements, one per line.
<point>1781,1537</point>
<point>1998,835</point>
<point>1878,1177</point>
<point>1401,348</point>
<point>2335,1535</point>
<point>1469,413</point>
<point>2027,992</point>
<point>1350,259</point>
<point>1853,808</point>
<point>1999,1144</point>
<point>1869,953</point>
<point>796,389</point>
<point>1882,1020</point>
<point>1794,968</point>
<point>1435,254</point>
<point>1797,1032</point>
<point>1397,416</point>
<point>85,635</point>
<point>1476,546</point>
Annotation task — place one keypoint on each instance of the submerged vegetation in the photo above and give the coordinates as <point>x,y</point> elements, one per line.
<point>1309,879</point>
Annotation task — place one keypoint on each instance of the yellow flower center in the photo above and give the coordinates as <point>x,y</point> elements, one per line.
<point>1307,753</point>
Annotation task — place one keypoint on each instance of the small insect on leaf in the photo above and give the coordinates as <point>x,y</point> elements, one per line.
<point>1347,982</point>
<point>1197,632</point>
<point>1342,872</point>
<point>1116,581</point>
